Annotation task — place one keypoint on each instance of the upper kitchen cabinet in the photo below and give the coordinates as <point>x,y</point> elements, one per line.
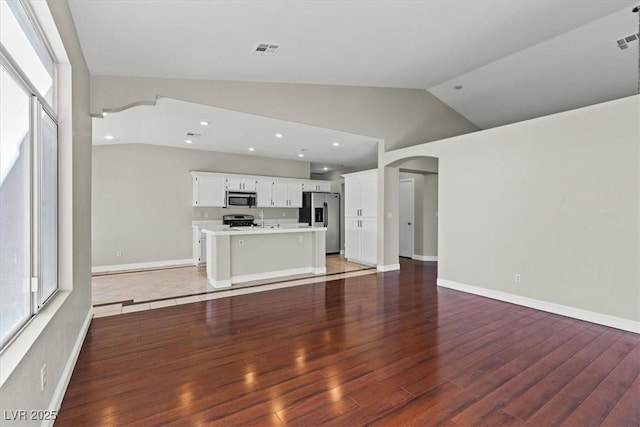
<point>239,183</point>
<point>295,194</point>
<point>208,190</point>
<point>286,194</point>
<point>320,186</point>
<point>361,194</point>
<point>264,190</point>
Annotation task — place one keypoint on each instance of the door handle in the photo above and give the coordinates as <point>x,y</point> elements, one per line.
<point>325,211</point>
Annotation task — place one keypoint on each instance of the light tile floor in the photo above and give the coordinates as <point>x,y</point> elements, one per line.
<point>145,290</point>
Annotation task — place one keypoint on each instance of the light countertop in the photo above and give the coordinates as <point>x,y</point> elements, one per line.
<point>236,231</point>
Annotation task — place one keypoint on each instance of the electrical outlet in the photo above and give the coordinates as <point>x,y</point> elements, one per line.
<point>284,214</point>
<point>118,253</point>
<point>301,238</point>
<point>199,215</point>
<point>517,278</point>
<point>43,376</point>
<point>206,214</point>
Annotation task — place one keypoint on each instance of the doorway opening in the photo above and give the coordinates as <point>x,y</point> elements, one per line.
<point>418,208</point>
<point>407,218</point>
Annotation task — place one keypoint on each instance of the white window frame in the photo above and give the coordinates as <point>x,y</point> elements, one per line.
<point>38,102</point>
<point>16,349</point>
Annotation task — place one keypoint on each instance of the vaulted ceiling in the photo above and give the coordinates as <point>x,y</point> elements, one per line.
<point>510,60</point>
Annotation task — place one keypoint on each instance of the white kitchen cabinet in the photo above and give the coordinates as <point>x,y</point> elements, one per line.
<point>352,238</point>
<point>263,190</point>
<point>313,185</point>
<point>286,194</point>
<point>295,194</point>
<point>280,194</point>
<point>361,194</point>
<point>199,247</point>
<point>361,212</point>
<point>240,183</point>
<point>369,240</point>
<point>208,190</point>
<point>361,240</point>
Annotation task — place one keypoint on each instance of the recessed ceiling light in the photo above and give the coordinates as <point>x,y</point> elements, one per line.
<point>203,123</point>
<point>325,168</point>
<point>458,87</point>
<point>335,144</point>
<point>109,137</point>
<point>252,149</point>
<point>105,114</point>
<point>188,141</point>
<point>300,155</point>
<point>279,135</point>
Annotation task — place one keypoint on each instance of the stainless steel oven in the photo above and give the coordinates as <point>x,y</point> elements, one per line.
<point>238,199</point>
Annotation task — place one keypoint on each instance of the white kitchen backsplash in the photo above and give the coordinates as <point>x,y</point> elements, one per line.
<point>218,222</point>
<point>205,214</point>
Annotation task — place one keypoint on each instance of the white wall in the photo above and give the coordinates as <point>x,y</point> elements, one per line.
<point>142,202</point>
<point>555,199</point>
<point>54,333</point>
<point>430,216</point>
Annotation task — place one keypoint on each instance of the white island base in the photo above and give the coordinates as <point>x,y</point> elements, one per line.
<point>237,256</point>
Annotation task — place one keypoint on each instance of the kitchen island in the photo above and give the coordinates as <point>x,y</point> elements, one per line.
<point>238,255</point>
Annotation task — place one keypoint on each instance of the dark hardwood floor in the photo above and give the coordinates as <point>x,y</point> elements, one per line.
<point>383,349</point>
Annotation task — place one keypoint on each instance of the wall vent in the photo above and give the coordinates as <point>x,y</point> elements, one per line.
<point>266,49</point>
<point>623,43</point>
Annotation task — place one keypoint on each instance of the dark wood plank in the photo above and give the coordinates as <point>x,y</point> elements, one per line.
<point>388,349</point>
<point>525,406</point>
<point>558,408</point>
<point>594,409</point>
<point>626,411</point>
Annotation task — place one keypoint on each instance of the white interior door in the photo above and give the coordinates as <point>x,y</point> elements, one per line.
<point>406,233</point>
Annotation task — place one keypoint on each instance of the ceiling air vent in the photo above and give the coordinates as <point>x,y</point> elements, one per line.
<point>266,49</point>
<point>194,134</point>
<point>624,42</point>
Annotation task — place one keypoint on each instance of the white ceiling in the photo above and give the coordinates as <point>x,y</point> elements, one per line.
<point>516,59</point>
<point>169,120</point>
<point>581,67</point>
<point>407,44</point>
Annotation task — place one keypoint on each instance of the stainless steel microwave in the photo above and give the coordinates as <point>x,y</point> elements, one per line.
<point>236,199</point>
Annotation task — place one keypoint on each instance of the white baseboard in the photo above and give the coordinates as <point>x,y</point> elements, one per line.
<point>390,267</point>
<point>220,283</point>
<point>424,257</point>
<point>141,265</point>
<point>564,310</point>
<point>267,275</point>
<point>63,383</point>
<point>271,274</point>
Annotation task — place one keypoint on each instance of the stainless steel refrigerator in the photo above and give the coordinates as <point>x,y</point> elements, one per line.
<point>323,210</point>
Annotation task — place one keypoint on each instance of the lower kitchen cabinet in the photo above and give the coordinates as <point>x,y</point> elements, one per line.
<point>199,247</point>
<point>361,241</point>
